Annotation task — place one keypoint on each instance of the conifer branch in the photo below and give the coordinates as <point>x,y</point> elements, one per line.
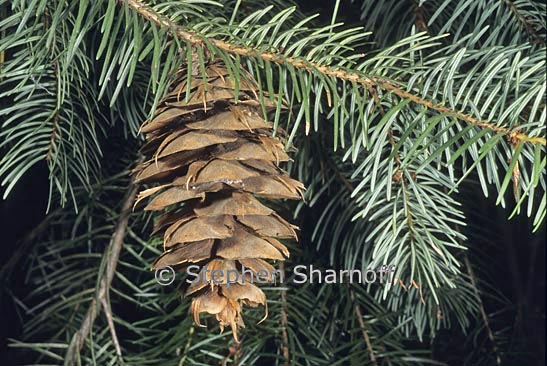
<point>399,175</point>
<point>233,351</point>
<point>482,310</point>
<point>419,13</point>
<point>445,102</point>
<point>197,40</point>
<point>187,346</point>
<point>528,28</point>
<point>24,244</point>
<point>112,253</point>
<point>284,321</point>
<point>110,320</point>
<point>55,128</point>
<point>362,326</point>
<point>356,308</point>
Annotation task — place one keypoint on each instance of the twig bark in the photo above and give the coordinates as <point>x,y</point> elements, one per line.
<point>398,174</point>
<point>25,243</point>
<point>55,131</point>
<point>233,351</point>
<point>482,310</point>
<point>419,13</point>
<point>363,328</point>
<point>197,40</point>
<point>284,322</point>
<point>528,28</point>
<point>356,308</point>
<point>187,347</point>
<point>110,320</point>
<point>112,254</point>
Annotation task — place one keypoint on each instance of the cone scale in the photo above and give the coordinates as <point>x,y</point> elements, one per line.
<point>211,160</point>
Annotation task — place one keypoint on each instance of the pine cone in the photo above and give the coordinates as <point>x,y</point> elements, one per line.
<point>212,155</point>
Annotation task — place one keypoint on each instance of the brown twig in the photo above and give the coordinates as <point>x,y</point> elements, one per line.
<point>397,158</point>
<point>110,320</point>
<point>525,23</point>
<point>233,351</point>
<point>284,321</point>
<point>363,328</point>
<point>55,128</point>
<point>482,310</point>
<point>24,244</point>
<point>112,255</point>
<point>53,136</point>
<point>356,307</point>
<point>419,13</point>
<point>3,15</point>
<point>297,63</point>
<point>187,347</point>
<point>340,176</point>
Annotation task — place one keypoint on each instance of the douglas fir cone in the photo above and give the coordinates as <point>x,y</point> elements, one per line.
<point>213,155</point>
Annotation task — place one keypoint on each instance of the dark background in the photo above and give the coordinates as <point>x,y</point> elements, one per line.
<point>517,260</point>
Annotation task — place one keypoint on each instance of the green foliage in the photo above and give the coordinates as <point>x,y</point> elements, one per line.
<point>389,121</point>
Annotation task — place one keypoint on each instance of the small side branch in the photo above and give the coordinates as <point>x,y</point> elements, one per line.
<point>55,128</point>
<point>110,320</point>
<point>525,24</point>
<point>187,347</point>
<point>419,13</point>
<point>112,255</point>
<point>284,322</point>
<point>363,328</point>
<point>233,351</point>
<point>482,310</point>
